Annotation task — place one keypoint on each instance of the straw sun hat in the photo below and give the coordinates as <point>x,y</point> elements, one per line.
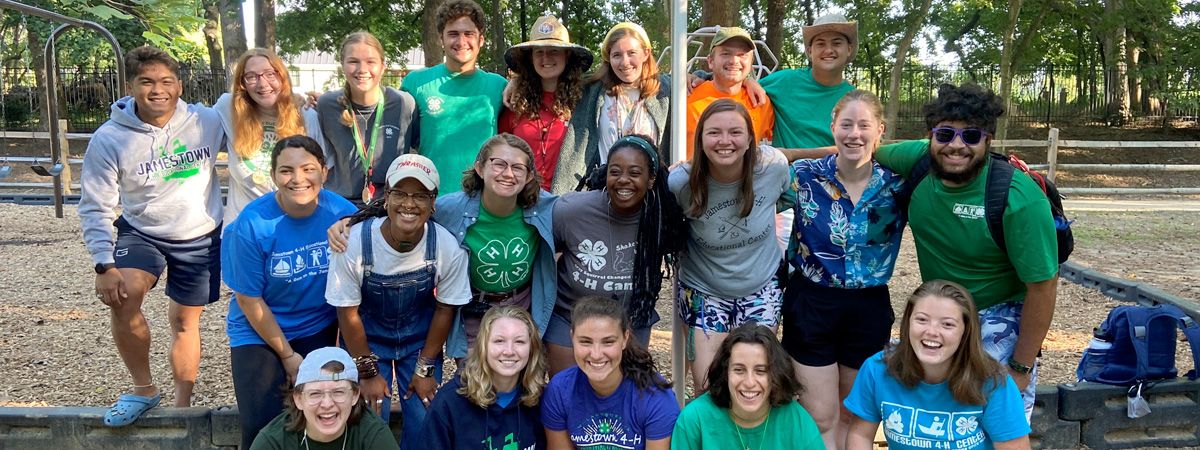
<point>548,32</point>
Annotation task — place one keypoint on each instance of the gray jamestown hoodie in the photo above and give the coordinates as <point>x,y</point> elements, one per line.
<point>165,179</point>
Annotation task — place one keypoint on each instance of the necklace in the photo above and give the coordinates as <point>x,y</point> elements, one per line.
<point>344,439</point>
<point>394,242</point>
<point>738,429</point>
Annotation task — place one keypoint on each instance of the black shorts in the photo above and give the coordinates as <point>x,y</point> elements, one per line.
<point>193,265</point>
<point>824,325</point>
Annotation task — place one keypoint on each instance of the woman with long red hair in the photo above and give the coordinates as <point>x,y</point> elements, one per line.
<point>258,109</point>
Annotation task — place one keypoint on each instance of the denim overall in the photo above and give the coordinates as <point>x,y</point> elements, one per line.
<point>396,311</point>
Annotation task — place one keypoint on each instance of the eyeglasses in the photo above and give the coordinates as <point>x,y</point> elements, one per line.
<point>398,197</point>
<point>499,165</point>
<point>314,398</point>
<point>970,136</point>
<point>252,78</point>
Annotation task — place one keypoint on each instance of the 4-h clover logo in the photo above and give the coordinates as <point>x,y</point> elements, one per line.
<point>503,263</point>
<point>592,254</point>
<point>965,425</point>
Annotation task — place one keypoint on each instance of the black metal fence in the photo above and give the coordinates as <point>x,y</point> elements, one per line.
<point>1042,95</point>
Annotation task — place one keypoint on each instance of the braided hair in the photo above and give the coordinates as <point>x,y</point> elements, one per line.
<point>660,211</point>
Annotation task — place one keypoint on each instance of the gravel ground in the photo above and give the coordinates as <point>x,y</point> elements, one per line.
<point>56,349</point>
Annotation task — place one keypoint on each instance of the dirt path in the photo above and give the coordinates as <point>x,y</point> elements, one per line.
<point>56,350</point>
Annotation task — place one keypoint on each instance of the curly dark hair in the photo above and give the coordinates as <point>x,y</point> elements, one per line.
<point>453,9</point>
<point>528,101</point>
<point>784,385</point>
<point>969,103</point>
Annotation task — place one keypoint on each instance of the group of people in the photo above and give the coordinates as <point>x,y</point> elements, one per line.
<point>521,227</point>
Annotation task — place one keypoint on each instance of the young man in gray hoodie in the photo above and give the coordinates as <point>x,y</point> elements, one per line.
<point>155,159</point>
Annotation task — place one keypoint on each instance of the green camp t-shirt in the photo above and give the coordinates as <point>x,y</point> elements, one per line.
<point>501,249</point>
<point>952,238</point>
<point>458,112</point>
<point>803,108</point>
<point>370,433</point>
<point>702,425</point>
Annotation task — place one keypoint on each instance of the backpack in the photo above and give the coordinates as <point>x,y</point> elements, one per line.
<point>1136,344</point>
<point>999,178</point>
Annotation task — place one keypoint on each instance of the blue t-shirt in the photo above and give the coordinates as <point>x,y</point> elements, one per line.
<point>624,420</point>
<point>265,253</point>
<point>839,243</point>
<point>927,416</point>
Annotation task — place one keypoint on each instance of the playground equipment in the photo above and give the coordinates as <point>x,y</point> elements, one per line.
<point>57,131</point>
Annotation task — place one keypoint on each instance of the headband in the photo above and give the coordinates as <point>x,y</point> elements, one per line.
<point>639,142</point>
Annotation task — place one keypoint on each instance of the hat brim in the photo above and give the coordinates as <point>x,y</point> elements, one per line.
<point>848,29</point>
<point>585,56</point>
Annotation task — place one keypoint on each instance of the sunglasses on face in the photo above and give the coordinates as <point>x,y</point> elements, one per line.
<point>969,136</point>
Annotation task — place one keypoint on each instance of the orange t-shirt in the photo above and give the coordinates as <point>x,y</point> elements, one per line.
<point>703,95</point>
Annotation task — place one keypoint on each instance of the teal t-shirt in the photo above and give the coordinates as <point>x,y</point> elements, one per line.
<point>501,249</point>
<point>458,112</point>
<point>952,238</point>
<point>703,425</point>
<point>803,108</point>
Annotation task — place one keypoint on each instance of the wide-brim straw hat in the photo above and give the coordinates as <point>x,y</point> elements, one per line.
<point>547,31</point>
<point>834,22</point>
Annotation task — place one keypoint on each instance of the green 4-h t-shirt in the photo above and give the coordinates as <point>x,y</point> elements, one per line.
<point>952,238</point>
<point>803,108</point>
<point>458,113</point>
<point>501,249</point>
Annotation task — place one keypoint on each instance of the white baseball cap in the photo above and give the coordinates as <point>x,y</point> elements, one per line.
<point>412,165</point>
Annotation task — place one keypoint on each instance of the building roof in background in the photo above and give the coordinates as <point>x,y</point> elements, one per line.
<point>413,58</point>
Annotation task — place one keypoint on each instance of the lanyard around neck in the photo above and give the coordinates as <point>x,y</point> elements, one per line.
<point>367,152</point>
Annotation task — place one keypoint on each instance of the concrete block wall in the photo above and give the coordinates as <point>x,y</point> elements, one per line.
<point>1065,416</point>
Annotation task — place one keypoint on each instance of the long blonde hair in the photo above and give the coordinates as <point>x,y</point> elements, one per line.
<point>247,126</point>
<point>648,84</point>
<point>357,37</point>
<point>477,374</point>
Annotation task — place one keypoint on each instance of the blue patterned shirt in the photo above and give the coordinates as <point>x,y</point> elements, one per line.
<point>837,243</point>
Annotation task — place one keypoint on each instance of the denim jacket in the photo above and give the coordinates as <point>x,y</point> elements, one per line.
<point>458,211</point>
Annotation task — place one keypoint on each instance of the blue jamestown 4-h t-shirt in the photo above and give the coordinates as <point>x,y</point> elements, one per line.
<point>927,416</point>
<point>265,253</point>
<point>624,420</point>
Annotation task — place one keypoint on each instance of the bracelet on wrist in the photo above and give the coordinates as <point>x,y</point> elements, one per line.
<point>1018,367</point>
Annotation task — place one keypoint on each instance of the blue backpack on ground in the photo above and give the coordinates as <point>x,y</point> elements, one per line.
<point>1137,343</point>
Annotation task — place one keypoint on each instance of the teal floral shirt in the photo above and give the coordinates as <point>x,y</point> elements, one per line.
<point>840,244</point>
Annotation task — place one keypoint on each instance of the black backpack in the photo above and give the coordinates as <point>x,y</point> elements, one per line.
<point>999,178</point>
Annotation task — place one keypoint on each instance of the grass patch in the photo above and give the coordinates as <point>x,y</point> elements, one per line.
<point>1098,228</point>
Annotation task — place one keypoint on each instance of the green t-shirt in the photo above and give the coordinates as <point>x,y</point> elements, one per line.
<point>952,238</point>
<point>788,426</point>
<point>458,112</point>
<point>370,433</point>
<point>501,249</point>
<point>803,108</point>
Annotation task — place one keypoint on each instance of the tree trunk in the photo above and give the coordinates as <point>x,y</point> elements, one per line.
<point>916,17</point>
<point>1134,85</point>
<point>233,32</point>
<point>431,41</point>
<point>777,11</point>
<point>1006,58</point>
<point>1118,85</point>
<point>809,13</point>
<point>499,41</point>
<point>212,36</point>
<point>721,12</point>
<point>264,28</point>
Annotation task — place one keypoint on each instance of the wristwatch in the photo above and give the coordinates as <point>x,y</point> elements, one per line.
<point>424,369</point>
<point>103,267</point>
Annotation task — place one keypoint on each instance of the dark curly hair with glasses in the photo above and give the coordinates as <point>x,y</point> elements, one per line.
<point>969,103</point>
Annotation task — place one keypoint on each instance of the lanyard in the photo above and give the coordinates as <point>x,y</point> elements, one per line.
<point>367,152</point>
